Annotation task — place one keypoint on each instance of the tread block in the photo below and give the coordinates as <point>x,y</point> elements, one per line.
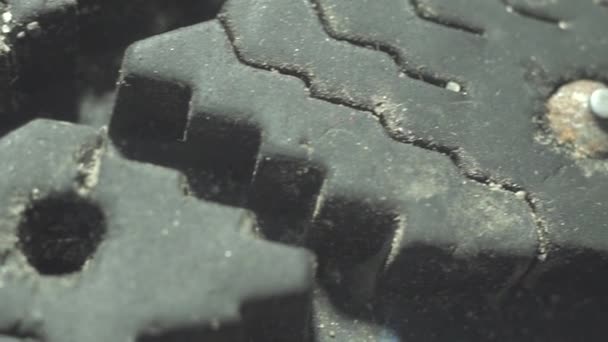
<point>410,109</point>
<point>233,280</point>
<point>504,66</point>
<point>335,163</point>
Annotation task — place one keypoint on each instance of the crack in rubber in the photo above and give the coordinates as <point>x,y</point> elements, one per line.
<point>531,14</point>
<point>392,52</point>
<point>455,24</point>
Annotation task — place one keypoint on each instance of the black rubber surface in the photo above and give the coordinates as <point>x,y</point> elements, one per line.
<point>401,142</point>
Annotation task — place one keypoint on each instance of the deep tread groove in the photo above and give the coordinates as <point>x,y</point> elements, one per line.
<point>186,140</point>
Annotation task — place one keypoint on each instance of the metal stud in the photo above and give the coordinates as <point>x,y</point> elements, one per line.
<point>598,102</point>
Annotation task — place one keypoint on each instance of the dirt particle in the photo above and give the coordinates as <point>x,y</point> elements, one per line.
<point>89,164</point>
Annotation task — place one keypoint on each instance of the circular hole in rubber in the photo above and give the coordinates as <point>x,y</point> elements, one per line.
<point>60,232</point>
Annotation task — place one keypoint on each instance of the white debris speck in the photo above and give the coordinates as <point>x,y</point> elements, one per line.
<point>6,29</point>
<point>520,195</point>
<point>34,25</point>
<point>453,86</point>
<point>7,17</point>
<point>228,254</point>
